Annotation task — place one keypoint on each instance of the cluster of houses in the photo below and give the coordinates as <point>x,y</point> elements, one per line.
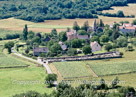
<point>125,28</point>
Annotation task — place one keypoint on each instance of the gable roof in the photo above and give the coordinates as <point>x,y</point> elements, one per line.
<point>47,38</point>
<point>94,43</point>
<point>40,50</point>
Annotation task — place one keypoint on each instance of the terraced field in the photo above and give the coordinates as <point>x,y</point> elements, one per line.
<point>72,69</point>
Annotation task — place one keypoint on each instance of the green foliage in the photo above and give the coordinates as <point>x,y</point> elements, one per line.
<point>120,13</point>
<point>25,33</point>
<point>76,43</point>
<point>76,26</point>
<point>55,48</point>
<point>85,26</point>
<point>9,45</point>
<point>104,39</point>
<point>71,52</point>
<point>95,38</point>
<point>108,47</point>
<point>50,79</point>
<point>87,49</point>
<point>122,41</point>
<point>115,82</point>
<point>82,32</point>
<point>134,22</point>
<point>62,36</point>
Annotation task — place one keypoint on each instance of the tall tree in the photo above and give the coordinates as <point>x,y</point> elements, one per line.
<point>76,26</point>
<point>101,23</point>
<point>25,32</point>
<point>85,26</point>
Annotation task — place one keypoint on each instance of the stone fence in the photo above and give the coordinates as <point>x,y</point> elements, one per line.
<point>107,55</point>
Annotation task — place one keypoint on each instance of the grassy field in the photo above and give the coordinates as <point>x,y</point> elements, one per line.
<point>3,32</point>
<point>61,25</point>
<point>128,10</point>
<point>9,61</point>
<point>72,69</point>
<point>18,80</point>
<point>15,81</point>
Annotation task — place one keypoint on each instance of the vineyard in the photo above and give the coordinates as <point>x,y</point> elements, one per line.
<point>72,69</point>
<point>111,68</point>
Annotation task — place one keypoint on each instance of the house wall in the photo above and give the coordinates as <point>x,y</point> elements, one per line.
<point>96,47</point>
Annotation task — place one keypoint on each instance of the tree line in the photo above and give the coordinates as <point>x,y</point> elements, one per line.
<point>31,10</point>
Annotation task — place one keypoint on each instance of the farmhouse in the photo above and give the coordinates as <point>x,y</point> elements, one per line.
<point>95,46</point>
<point>71,35</point>
<point>37,51</point>
<point>127,28</point>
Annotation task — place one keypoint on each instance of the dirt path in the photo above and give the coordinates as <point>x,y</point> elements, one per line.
<point>54,69</point>
<point>91,71</point>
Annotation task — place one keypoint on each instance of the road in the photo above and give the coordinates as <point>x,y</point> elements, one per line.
<point>37,61</point>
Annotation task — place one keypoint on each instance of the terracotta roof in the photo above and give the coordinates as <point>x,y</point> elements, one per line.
<point>40,49</point>
<point>127,25</point>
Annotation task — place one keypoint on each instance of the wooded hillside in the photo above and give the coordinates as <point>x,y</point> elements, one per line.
<point>40,10</point>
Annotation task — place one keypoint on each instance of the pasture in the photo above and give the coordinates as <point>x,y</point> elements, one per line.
<point>72,69</point>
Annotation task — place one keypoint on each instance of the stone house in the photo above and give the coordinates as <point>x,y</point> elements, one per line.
<point>71,35</point>
<point>63,46</point>
<point>37,51</point>
<point>95,46</point>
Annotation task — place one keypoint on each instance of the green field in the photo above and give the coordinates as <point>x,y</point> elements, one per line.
<point>110,68</point>
<point>18,80</point>
<point>15,81</point>
<point>72,69</point>
<point>3,32</point>
<point>9,61</point>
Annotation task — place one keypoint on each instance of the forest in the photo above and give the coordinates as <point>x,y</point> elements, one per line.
<point>40,10</point>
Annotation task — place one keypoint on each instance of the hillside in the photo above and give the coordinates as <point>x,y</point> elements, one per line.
<point>40,10</point>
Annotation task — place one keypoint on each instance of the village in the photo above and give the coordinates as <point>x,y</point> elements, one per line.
<point>87,40</point>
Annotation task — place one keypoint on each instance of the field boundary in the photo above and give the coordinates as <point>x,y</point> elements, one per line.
<point>91,71</point>
<point>54,69</point>
<point>15,67</point>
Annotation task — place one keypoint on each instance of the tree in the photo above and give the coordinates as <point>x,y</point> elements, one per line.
<point>54,32</point>
<point>71,52</point>
<point>101,23</point>
<point>85,26</point>
<point>30,35</point>
<point>36,39</point>
<point>108,47</point>
<point>9,45</point>
<point>76,43</point>
<point>115,82</point>
<point>95,38</point>
<point>120,14</point>
<point>82,32</point>
<point>122,41</point>
<point>87,49</point>
<point>62,36</point>
<point>25,32</point>
<point>134,22</point>
<point>102,83</point>
<point>55,48</point>
<point>50,79</point>
<point>76,26</point>
<point>104,39</point>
